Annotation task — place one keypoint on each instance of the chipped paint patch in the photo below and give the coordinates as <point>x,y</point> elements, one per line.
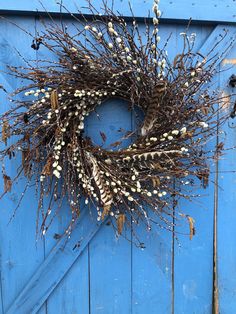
<point>229,61</point>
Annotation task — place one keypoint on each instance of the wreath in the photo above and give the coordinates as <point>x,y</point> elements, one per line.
<point>111,58</point>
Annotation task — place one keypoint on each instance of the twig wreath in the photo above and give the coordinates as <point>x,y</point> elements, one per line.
<point>110,58</point>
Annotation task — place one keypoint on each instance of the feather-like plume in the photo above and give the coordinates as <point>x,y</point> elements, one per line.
<point>54,99</point>
<point>155,101</point>
<point>104,191</point>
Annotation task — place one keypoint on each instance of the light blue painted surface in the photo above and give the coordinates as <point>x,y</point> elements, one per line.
<point>226,204</point>
<point>198,10</point>
<point>110,275</point>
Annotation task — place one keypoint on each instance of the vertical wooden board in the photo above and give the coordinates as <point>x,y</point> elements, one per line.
<point>20,254</point>
<point>151,266</point>
<point>109,256</point>
<point>110,273</point>
<point>227,199</point>
<point>72,294</point>
<point>151,272</point>
<point>193,260</point>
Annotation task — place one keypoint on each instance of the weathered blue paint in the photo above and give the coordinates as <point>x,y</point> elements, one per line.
<point>106,274</point>
<point>226,201</point>
<point>54,268</point>
<point>17,264</point>
<point>194,260</point>
<point>197,10</point>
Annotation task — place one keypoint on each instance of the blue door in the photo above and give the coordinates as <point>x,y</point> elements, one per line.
<point>96,271</point>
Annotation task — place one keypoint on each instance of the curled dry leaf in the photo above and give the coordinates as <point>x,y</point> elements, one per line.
<point>7,183</point>
<point>191,222</point>
<point>5,131</point>
<point>120,223</point>
<point>47,169</point>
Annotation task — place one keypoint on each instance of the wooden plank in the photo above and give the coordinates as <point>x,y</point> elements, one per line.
<point>227,200</point>
<point>52,270</point>
<point>20,255</point>
<point>193,269</point>
<point>152,266</point>
<point>153,288</point>
<point>9,46</point>
<point>110,257</point>
<point>224,45</point>
<point>72,293</point>
<point>151,272</point>
<point>198,10</point>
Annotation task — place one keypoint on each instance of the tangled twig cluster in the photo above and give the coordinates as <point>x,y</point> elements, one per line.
<point>110,58</point>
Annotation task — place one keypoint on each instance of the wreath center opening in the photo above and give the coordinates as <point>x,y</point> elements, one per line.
<point>113,125</point>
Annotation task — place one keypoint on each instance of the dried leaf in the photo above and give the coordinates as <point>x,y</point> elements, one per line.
<point>156,181</point>
<point>103,136</point>
<point>189,134</point>
<point>37,155</point>
<point>54,99</point>
<point>25,160</point>
<point>27,137</point>
<point>120,223</point>
<point>156,166</point>
<point>205,110</point>
<point>47,169</point>
<point>7,183</point>
<point>5,131</point>
<point>106,210</point>
<point>58,132</point>
<point>191,227</point>
<point>220,147</point>
<point>118,143</point>
<point>204,177</point>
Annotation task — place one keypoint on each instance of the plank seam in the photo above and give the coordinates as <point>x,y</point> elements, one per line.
<point>163,20</point>
<point>1,292</point>
<point>215,295</point>
<point>89,279</point>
